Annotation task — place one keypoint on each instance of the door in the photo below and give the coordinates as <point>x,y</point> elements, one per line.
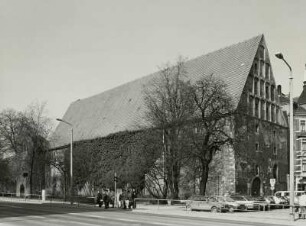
<point>256,187</point>
<point>21,190</point>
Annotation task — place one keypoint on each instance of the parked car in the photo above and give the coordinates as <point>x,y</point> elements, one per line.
<point>246,200</point>
<point>263,202</point>
<point>199,202</point>
<point>231,203</point>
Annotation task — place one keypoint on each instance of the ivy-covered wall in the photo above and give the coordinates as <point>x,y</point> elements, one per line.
<point>129,154</point>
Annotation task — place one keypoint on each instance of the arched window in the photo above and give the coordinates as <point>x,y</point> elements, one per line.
<point>275,171</point>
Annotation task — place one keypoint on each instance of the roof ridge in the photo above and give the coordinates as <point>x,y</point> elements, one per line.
<point>230,46</point>
<point>189,60</point>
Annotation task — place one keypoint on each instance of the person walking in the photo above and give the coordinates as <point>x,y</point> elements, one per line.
<point>302,204</point>
<point>133,199</point>
<point>106,200</point>
<point>99,199</point>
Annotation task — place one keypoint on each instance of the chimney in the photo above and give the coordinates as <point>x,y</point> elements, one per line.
<point>279,90</point>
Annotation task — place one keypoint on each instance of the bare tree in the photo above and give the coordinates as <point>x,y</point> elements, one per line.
<point>38,129</point>
<point>23,137</point>
<point>169,107</point>
<point>211,129</point>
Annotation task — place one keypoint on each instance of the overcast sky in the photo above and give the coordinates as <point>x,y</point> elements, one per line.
<point>59,51</point>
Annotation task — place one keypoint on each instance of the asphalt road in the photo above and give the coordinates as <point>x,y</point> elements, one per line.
<point>13,214</point>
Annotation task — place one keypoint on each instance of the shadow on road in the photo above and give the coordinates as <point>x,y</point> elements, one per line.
<point>15,209</point>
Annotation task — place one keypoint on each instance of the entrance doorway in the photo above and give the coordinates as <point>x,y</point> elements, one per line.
<point>255,187</point>
<point>21,190</point>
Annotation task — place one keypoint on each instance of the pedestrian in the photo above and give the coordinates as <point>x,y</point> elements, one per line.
<point>302,204</point>
<point>106,200</point>
<point>99,199</point>
<point>120,200</point>
<point>123,199</point>
<point>133,199</point>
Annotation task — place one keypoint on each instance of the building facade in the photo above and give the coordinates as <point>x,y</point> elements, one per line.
<point>247,166</point>
<point>300,138</point>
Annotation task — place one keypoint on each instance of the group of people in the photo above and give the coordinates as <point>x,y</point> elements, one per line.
<point>126,199</point>
<point>104,199</point>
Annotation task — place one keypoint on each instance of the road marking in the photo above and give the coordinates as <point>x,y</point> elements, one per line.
<point>122,219</point>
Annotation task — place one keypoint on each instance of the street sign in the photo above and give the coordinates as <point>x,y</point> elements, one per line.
<point>272,182</point>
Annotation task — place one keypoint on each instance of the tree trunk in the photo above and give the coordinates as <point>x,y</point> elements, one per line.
<point>204,177</point>
<point>176,175</point>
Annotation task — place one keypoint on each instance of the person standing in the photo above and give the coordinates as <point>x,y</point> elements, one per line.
<point>133,199</point>
<point>99,199</point>
<point>302,204</point>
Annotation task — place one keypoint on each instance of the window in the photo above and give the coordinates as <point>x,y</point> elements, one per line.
<point>267,71</point>
<point>302,125</point>
<point>255,68</point>
<point>277,115</point>
<point>256,86</point>
<point>256,146</point>
<point>267,111</point>
<point>267,92</point>
<point>272,92</point>
<point>275,171</point>
<point>262,85</point>
<point>304,167</point>
<point>262,114</point>
<point>256,107</point>
<point>257,128</point>
<point>274,133</point>
<point>262,66</point>
<point>261,52</point>
<point>272,113</point>
<point>251,99</point>
<point>274,150</point>
<point>250,83</point>
<point>304,144</point>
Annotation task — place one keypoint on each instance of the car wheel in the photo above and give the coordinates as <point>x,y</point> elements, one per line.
<point>244,208</point>
<point>214,209</point>
<point>231,209</point>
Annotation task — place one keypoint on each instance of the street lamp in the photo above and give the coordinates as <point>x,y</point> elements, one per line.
<point>280,56</point>
<point>71,149</point>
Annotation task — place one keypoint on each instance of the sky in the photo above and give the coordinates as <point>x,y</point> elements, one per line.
<point>58,51</point>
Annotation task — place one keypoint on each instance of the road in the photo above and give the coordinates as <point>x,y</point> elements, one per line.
<point>25,214</point>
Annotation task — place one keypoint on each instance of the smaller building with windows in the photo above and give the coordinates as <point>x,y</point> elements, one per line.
<point>300,139</point>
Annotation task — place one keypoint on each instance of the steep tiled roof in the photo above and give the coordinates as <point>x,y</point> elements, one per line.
<point>123,108</point>
<point>302,98</point>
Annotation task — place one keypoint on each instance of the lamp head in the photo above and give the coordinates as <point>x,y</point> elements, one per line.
<point>58,119</point>
<point>279,56</point>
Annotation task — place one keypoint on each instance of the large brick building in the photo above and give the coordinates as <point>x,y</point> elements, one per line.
<point>246,69</point>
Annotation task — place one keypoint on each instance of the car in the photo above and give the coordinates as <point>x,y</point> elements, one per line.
<point>206,203</point>
<point>232,205</point>
<point>246,200</point>
<point>263,202</point>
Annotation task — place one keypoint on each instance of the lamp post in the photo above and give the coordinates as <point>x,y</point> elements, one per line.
<point>291,177</point>
<point>71,151</point>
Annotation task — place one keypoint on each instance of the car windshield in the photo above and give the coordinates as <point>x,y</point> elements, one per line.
<point>228,199</point>
<point>238,198</point>
<point>260,199</point>
<point>249,198</point>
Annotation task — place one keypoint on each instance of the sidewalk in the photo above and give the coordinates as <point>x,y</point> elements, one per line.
<point>277,217</point>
